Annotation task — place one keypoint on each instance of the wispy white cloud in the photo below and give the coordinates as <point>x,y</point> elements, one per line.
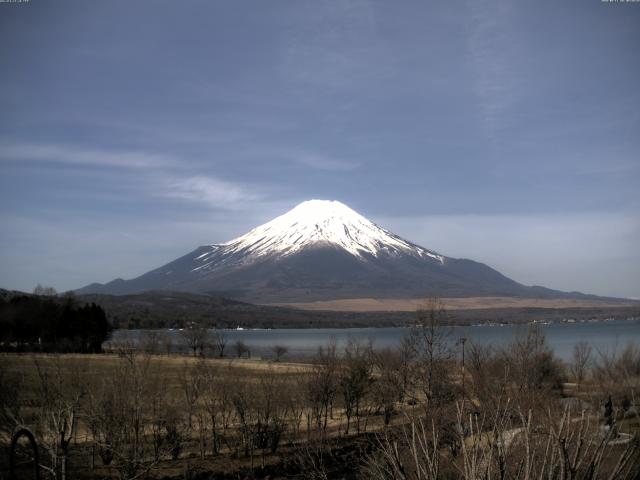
<point>210,191</point>
<point>157,175</point>
<point>65,154</point>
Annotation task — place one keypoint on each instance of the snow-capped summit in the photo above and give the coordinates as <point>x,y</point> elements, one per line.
<point>317,222</point>
<point>321,250</point>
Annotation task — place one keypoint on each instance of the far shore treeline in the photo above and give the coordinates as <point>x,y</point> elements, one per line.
<point>47,323</point>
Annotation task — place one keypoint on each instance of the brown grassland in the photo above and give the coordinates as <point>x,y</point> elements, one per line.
<point>467,303</point>
<point>415,412</point>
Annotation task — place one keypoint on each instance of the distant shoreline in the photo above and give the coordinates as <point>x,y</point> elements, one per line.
<point>457,318</point>
<point>448,325</point>
<point>158,310</point>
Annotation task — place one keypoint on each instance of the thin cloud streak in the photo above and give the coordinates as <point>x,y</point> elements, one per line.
<point>156,174</point>
<point>64,154</point>
<point>211,191</point>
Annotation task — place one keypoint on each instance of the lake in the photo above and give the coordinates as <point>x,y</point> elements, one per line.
<point>604,336</point>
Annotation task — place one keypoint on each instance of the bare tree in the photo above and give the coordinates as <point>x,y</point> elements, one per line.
<point>294,395</point>
<point>490,375</point>
<point>355,379</point>
<point>166,341</point>
<point>279,351</point>
<point>220,342</point>
<point>120,415</point>
<point>217,396</point>
<point>532,368</point>
<point>59,393</point>
<point>272,410</point>
<point>241,349</point>
<point>150,341</point>
<point>124,345</point>
<point>388,388</point>
<point>158,419</point>
<point>191,384</point>
<point>406,357</point>
<point>246,415</point>
<point>508,444</point>
<point>105,417</point>
<point>134,374</point>
<point>196,336</point>
<point>322,387</point>
<point>616,374</point>
<point>313,458</point>
<point>581,359</point>
<point>431,350</point>
<point>411,454</point>
<point>163,418</point>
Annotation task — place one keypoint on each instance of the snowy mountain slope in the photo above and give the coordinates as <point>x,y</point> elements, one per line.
<point>321,250</point>
<point>312,223</point>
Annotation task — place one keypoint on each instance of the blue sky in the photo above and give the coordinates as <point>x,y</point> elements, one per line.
<point>502,131</point>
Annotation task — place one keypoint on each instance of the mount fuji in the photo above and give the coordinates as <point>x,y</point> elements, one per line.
<point>323,250</point>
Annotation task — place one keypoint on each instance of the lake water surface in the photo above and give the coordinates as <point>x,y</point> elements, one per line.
<point>604,336</point>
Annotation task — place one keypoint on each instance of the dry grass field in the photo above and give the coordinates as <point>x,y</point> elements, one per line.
<point>179,381</point>
<point>346,414</point>
<point>470,303</point>
<point>170,378</point>
<point>95,367</point>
